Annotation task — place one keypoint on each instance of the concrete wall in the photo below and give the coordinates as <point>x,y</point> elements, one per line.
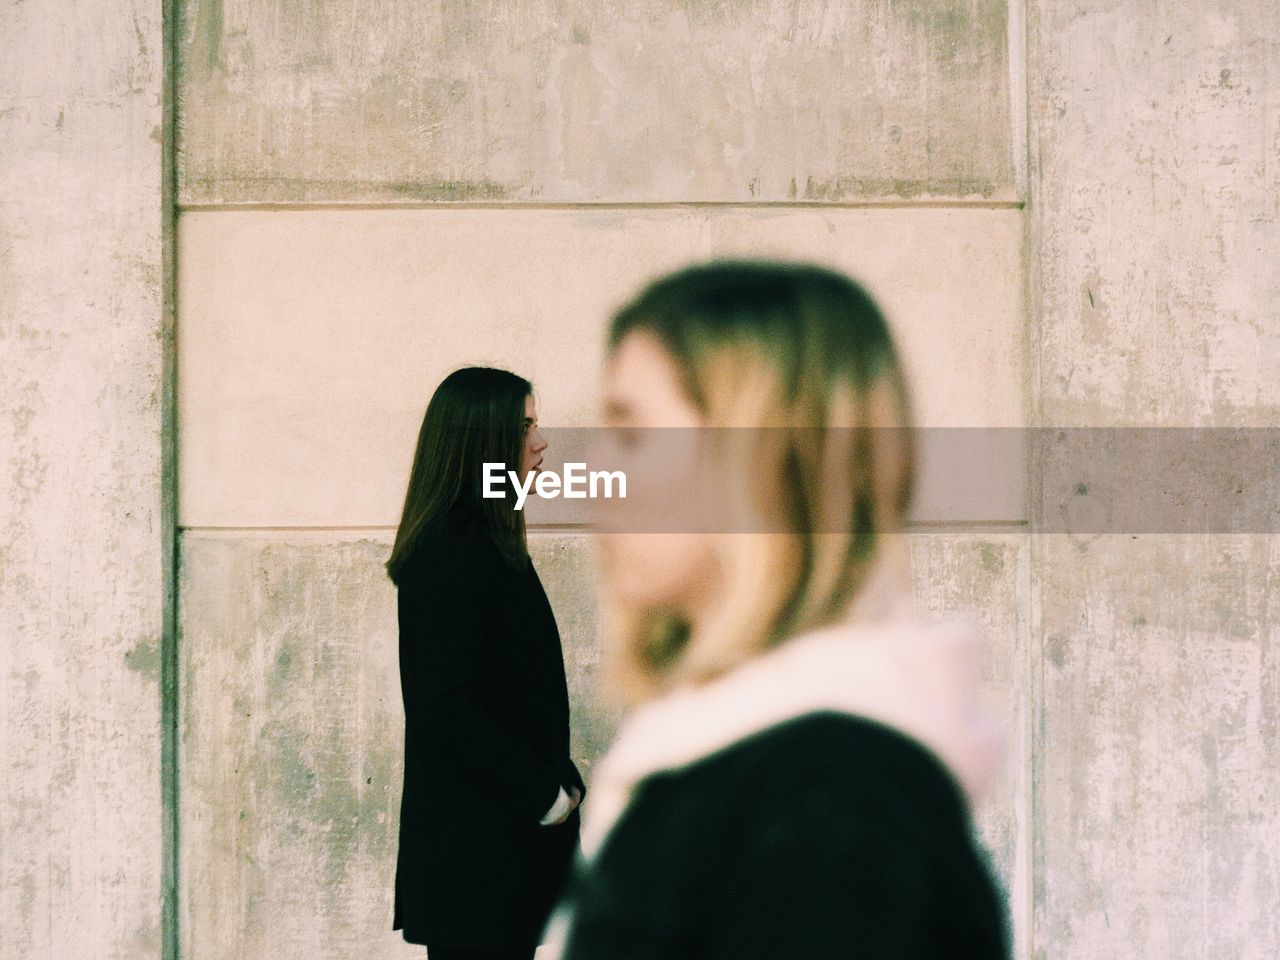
<point>327,283</point>
<point>310,342</point>
<point>1155,226</point>
<point>82,577</point>
<point>594,100</point>
<point>1070,211</point>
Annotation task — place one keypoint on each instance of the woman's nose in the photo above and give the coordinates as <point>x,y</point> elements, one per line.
<point>539,442</point>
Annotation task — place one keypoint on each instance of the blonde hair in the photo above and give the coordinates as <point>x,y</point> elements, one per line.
<point>803,357</point>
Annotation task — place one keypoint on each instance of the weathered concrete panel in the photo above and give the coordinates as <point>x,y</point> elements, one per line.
<point>292,726</point>
<point>290,748</point>
<point>292,739</point>
<point>594,100</point>
<point>1155,229</point>
<point>1158,833</point>
<point>81,572</point>
<point>310,340</point>
<point>566,565</point>
<point>1156,221</point>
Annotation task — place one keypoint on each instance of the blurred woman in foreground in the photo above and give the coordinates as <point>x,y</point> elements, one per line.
<point>796,779</point>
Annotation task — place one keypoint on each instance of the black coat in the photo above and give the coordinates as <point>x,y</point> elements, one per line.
<point>826,837</point>
<point>486,747</point>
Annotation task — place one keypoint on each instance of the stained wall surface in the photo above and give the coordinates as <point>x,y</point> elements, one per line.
<point>1155,227</point>
<point>82,572</point>
<point>594,100</point>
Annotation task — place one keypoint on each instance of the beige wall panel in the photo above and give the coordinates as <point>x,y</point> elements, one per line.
<point>1157,775</point>
<point>593,100</point>
<point>310,341</point>
<point>292,725</point>
<point>1156,141</point>
<point>81,573</point>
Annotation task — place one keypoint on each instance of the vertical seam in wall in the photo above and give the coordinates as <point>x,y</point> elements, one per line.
<point>1025,164</point>
<point>1030,699</point>
<point>169,491</point>
<point>1017,53</point>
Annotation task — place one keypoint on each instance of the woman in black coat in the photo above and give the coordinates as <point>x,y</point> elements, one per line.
<point>488,817</point>
<point>796,776</point>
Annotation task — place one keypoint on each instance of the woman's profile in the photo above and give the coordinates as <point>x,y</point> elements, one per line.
<point>488,817</point>
<point>796,775</point>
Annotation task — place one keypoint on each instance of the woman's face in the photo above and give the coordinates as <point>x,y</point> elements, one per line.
<point>534,442</point>
<point>652,435</point>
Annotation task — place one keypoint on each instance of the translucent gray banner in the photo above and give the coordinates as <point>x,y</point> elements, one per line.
<point>1136,480</point>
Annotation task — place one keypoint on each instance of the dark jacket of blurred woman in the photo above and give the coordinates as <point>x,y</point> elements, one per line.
<point>488,816</point>
<point>797,775</point>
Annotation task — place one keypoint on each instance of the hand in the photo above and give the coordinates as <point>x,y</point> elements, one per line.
<point>575,798</point>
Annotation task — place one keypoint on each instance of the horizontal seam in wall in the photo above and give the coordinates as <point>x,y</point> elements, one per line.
<point>938,204</point>
<point>959,526</point>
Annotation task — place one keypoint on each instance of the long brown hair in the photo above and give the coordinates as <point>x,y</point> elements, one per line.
<point>476,416</point>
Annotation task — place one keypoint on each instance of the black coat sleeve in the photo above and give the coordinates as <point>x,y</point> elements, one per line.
<point>572,777</point>
<point>443,638</point>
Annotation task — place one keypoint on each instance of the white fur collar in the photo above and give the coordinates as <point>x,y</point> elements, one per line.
<point>918,676</point>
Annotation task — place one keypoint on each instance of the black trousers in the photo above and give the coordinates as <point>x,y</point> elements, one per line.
<point>444,953</point>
